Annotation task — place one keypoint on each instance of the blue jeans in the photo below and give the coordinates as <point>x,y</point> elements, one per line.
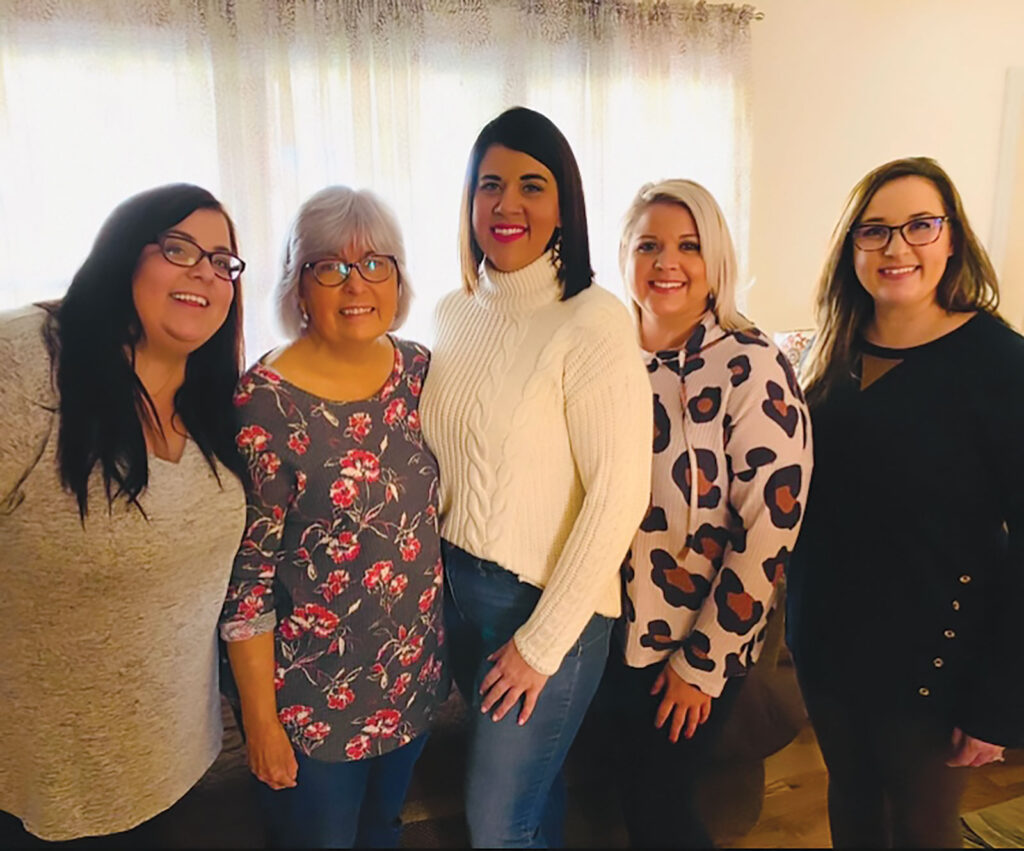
<point>343,804</point>
<point>515,792</point>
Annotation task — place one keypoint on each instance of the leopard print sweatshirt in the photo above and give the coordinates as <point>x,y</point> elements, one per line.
<point>732,463</point>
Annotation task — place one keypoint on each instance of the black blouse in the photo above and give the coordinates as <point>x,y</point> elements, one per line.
<point>908,577</point>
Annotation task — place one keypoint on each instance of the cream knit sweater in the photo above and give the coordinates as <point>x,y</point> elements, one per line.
<point>539,413</point>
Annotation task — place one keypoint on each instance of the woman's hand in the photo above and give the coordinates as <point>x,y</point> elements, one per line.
<point>685,703</point>
<point>271,757</point>
<point>969,751</point>
<point>509,679</point>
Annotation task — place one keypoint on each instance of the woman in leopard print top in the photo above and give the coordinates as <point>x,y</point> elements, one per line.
<point>732,461</point>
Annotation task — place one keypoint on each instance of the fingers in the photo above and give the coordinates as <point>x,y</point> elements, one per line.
<point>492,694</point>
<point>510,699</point>
<point>659,683</point>
<point>529,702</point>
<point>964,757</point>
<point>664,710</point>
<point>705,711</point>
<point>679,719</point>
<point>693,720</point>
<point>490,679</point>
<point>277,785</point>
<point>958,737</point>
<point>273,761</point>
<point>278,776</point>
<point>987,754</point>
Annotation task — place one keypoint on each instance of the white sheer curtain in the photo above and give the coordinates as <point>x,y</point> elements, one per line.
<point>264,103</point>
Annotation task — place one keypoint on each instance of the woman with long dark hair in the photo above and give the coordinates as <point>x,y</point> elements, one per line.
<point>538,409</point>
<point>121,506</point>
<point>907,582</point>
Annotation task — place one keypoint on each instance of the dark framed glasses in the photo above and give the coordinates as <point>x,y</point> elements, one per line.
<point>875,237</point>
<point>182,251</point>
<point>374,269</point>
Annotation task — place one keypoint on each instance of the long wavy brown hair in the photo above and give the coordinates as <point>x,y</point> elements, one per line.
<point>844,307</point>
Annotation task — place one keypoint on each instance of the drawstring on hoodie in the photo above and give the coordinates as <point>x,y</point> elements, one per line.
<point>691,453</point>
<point>694,494</point>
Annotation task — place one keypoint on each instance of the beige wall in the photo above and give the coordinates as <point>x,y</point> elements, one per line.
<point>841,86</point>
<point>1013,260</point>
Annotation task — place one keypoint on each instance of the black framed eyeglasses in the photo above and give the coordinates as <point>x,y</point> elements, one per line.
<point>182,251</point>
<point>374,269</point>
<point>920,231</point>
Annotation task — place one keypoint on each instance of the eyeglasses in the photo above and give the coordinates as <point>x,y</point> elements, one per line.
<point>875,237</point>
<point>374,269</point>
<point>182,251</point>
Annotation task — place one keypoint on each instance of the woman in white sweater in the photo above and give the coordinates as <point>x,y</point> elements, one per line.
<point>538,410</point>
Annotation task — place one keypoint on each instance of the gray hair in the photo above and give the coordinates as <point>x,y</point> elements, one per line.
<point>332,218</point>
<point>715,243</point>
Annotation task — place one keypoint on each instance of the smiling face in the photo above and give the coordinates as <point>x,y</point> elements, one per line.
<point>902,275</point>
<point>355,311</point>
<point>180,308</point>
<point>666,272</point>
<point>515,208</point>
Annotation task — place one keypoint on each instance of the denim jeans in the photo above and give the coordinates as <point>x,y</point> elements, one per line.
<point>515,793</point>
<point>343,804</point>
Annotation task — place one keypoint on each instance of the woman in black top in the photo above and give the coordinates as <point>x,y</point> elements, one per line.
<point>906,583</point>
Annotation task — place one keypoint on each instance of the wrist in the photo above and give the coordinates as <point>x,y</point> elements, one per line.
<point>260,723</point>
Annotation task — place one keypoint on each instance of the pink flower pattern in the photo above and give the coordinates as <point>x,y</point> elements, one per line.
<point>341,559</point>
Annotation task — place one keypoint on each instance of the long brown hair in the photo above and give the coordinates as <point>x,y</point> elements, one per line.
<point>844,307</point>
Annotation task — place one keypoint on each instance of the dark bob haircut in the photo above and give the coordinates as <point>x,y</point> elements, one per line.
<point>531,133</point>
<point>92,334</point>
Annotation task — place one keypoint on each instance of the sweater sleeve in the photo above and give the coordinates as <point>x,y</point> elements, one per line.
<point>27,402</point>
<point>610,421</point>
<point>992,706</point>
<point>769,458</point>
<point>249,608</point>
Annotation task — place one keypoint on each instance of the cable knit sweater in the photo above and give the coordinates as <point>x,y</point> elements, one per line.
<point>539,413</point>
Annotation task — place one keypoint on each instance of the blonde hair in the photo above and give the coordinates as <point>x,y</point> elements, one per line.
<point>331,218</point>
<point>715,244</point>
<point>844,307</point>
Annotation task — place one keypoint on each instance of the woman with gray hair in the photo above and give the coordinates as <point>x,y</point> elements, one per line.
<point>332,618</point>
<point>731,467</point>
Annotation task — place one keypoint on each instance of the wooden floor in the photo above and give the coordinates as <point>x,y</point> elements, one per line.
<point>795,813</point>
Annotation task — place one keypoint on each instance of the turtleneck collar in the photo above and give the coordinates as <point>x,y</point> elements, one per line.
<point>525,289</point>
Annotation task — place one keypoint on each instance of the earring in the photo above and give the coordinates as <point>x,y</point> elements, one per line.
<point>556,253</point>
<point>304,313</point>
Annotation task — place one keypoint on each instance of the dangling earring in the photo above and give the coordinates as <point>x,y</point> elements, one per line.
<point>556,252</point>
<point>304,313</point>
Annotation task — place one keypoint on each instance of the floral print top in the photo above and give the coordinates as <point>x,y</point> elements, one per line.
<point>341,558</point>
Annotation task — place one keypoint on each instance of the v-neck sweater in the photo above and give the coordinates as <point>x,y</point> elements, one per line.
<point>110,710</point>
<point>908,576</point>
<point>539,413</point>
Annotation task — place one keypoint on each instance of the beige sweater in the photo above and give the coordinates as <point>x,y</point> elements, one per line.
<point>539,413</point>
<point>109,709</point>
